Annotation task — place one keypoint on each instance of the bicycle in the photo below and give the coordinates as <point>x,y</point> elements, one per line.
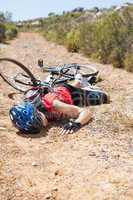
<point>22,78</point>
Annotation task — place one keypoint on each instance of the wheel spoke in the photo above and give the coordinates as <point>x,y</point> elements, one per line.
<point>16,74</point>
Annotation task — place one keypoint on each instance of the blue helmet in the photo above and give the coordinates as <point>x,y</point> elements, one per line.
<point>26,118</point>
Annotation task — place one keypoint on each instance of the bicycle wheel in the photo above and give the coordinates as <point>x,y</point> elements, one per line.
<point>85,69</point>
<point>72,69</point>
<point>16,74</point>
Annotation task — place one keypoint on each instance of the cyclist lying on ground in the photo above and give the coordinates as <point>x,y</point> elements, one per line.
<point>64,101</point>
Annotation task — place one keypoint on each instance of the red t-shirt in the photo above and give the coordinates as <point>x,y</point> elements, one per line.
<point>60,93</point>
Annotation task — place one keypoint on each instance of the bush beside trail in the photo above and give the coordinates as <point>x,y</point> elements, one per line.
<point>107,38</point>
<point>11,31</point>
<point>2,32</point>
<point>8,29</point>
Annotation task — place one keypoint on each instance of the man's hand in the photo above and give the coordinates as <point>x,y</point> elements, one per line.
<point>71,127</point>
<point>81,115</point>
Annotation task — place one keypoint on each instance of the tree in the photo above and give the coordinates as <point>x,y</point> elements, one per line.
<point>2,17</point>
<point>51,14</point>
<point>8,16</point>
<point>5,17</point>
<point>95,9</point>
<point>79,9</point>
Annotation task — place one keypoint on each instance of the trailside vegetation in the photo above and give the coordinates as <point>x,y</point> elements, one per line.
<point>8,29</point>
<point>102,34</point>
<point>107,37</point>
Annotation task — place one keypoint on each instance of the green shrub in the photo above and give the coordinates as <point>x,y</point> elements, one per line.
<point>128,62</point>
<point>7,28</point>
<point>75,14</point>
<point>11,31</point>
<point>108,38</point>
<point>2,32</point>
<point>51,35</point>
<point>116,57</point>
<point>58,27</point>
<point>87,38</point>
<point>73,41</point>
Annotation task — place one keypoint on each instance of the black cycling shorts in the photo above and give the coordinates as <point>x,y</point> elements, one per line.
<point>82,97</point>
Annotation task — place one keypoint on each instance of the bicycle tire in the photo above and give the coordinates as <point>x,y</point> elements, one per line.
<point>85,69</point>
<point>11,81</point>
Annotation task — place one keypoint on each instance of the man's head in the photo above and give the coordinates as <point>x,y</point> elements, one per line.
<point>26,118</point>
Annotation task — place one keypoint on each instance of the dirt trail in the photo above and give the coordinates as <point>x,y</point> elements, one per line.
<point>94,164</point>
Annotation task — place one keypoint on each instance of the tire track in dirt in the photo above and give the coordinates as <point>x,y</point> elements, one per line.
<point>95,163</point>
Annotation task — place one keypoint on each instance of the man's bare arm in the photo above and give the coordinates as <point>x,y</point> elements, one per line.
<point>82,115</point>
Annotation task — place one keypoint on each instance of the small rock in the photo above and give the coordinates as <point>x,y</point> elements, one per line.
<point>43,142</point>
<point>25,198</point>
<point>58,173</point>
<point>2,128</point>
<point>48,196</point>
<point>92,154</point>
<point>55,189</point>
<point>34,164</point>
